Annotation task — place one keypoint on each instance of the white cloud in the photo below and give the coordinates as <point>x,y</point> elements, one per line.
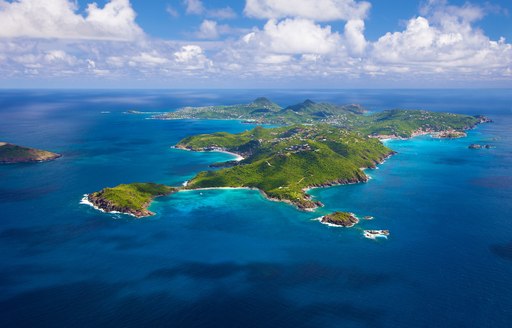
<point>58,19</point>
<point>354,36</point>
<point>192,57</point>
<point>152,58</point>
<point>294,36</point>
<point>444,42</point>
<point>211,30</point>
<point>54,56</point>
<point>208,30</point>
<point>319,10</point>
<point>275,59</point>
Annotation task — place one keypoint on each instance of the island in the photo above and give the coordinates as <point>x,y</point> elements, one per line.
<point>283,163</point>
<point>317,145</point>
<point>264,111</point>
<point>133,199</point>
<point>394,123</point>
<point>11,154</point>
<point>341,219</point>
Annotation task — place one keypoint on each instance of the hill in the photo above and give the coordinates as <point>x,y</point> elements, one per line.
<point>284,162</point>
<point>10,154</point>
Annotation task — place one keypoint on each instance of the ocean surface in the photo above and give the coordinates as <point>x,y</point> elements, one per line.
<point>230,258</point>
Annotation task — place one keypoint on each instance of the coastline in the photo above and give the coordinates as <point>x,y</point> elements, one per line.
<point>311,205</point>
<point>85,201</point>
<point>348,182</point>
<point>237,158</point>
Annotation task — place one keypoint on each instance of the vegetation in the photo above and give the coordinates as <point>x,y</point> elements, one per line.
<point>391,123</point>
<point>320,145</point>
<point>263,110</point>
<point>343,219</point>
<point>133,198</point>
<point>406,123</point>
<point>283,162</point>
<point>10,153</point>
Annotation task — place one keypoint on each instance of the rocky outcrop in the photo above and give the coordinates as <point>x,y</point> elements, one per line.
<point>342,219</point>
<point>108,206</point>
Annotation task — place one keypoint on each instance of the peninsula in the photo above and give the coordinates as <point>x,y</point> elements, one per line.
<point>133,199</point>
<point>320,145</point>
<point>284,162</point>
<point>11,154</point>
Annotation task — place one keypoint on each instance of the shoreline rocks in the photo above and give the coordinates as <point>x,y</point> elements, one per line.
<point>109,207</point>
<point>372,234</point>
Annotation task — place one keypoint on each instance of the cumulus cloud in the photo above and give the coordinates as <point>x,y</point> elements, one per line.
<point>294,36</point>
<point>192,57</point>
<point>58,19</point>
<point>354,36</point>
<point>443,41</point>
<point>319,10</point>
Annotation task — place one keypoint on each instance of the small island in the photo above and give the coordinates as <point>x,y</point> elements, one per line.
<point>342,219</point>
<point>12,154</point>
<point>132,199</point>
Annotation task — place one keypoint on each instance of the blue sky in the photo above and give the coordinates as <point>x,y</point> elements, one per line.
<point>255,43</point>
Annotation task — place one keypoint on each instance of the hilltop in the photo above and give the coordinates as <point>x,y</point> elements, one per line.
<point>264,111</point>
<point>396,123</point>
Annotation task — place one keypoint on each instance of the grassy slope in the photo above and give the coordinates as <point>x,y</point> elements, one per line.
<point>282,162</point>
<point>400,123</point>
<point>10,153</point>
<point>133,198</point>
<point>326,156</point>
<point>258,109</point>
<point>403,123</point>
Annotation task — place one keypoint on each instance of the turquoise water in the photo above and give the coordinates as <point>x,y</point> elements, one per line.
<point>230,258</point>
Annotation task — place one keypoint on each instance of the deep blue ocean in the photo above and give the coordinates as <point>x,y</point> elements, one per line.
<point>230,258</point>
